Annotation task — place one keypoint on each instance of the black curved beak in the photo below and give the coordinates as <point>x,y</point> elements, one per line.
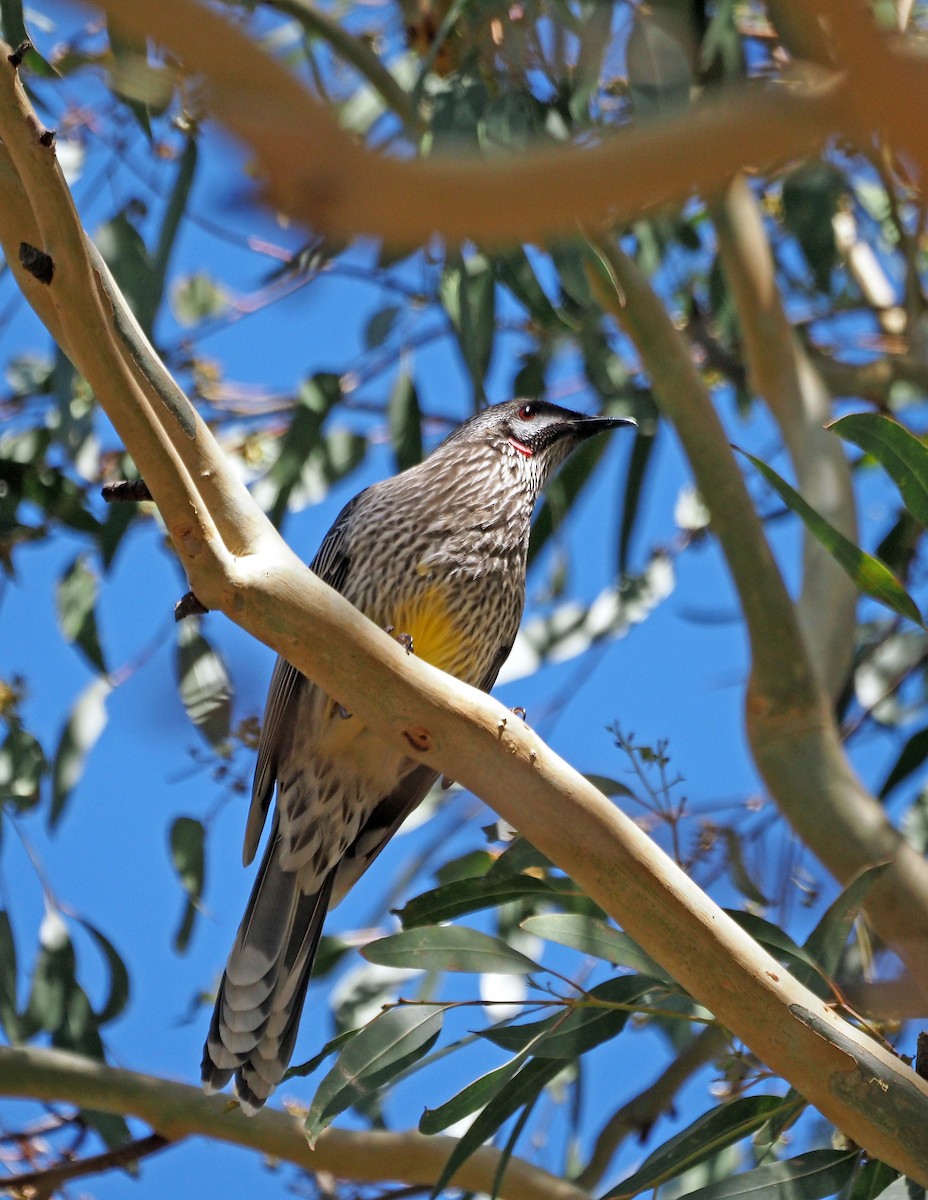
<point>585,427</point>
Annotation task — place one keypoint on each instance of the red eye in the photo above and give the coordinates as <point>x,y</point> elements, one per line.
<point>527,411</point>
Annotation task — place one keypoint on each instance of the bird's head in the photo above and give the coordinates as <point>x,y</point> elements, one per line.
<point>534,435</point>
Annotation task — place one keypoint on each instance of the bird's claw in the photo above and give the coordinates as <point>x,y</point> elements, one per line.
<point>404,639</point>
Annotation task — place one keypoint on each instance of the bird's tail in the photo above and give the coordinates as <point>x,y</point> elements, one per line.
<point>261,995</point>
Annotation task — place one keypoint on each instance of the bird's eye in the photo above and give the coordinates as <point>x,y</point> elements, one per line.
<point>527,411</point>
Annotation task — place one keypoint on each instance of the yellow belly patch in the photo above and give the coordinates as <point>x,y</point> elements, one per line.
<point>436,637</point>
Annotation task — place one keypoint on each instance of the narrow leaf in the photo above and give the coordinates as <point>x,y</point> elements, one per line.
<point>86,721</point>
<point>76,596</point>
<point>449,948</point>
<point>827,940</point>
<point>405,421</point>
<point>710,1133</point>
<point>522,1090</point>
<point>902,455</point>
<point>911,757</point>
<point>469,1099</point>
<point>592,936</point>
<point>117,996</point>
<point>469,895</point>
<point>869,575</point>
<point>807,1177</point>
<point>187,855</point>
<point>204,684</point>
<point>379,1052</point>
<point>9,1021</point>
<point>22,768</point>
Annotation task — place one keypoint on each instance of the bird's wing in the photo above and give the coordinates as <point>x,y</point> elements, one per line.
<point>331,564</point>
<point>380,826</point>
<point>393,809</point>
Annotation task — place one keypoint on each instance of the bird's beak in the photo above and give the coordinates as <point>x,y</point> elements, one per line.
<point>585,427</point>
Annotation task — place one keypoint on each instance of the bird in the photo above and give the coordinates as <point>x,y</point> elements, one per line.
<point>437,556</point>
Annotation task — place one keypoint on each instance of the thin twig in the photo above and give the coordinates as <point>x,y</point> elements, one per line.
<point>45,1182</point>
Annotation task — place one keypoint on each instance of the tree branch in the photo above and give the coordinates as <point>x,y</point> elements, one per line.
<point>177,1111</point>
<point>789,721</point>
<point>319,175</point>
<point>237,563</point>
<point>781,372</point>
<point>43,1183</point>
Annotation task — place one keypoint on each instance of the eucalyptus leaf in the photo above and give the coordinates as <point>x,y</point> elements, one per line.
<point>869,575</point>
<point>449,948</point>
<point>388,1045</point>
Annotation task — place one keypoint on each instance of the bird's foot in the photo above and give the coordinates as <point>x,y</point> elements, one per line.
<point>404,639</point>
<point>519,712</point>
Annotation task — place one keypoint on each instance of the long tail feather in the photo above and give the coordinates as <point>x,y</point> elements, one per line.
<point>260,998</point>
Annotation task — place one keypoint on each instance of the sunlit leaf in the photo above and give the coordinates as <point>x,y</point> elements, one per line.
<point>869,575</point>
<point>53,978</point>
<point>196,298</point>
<point>22,768</point>
<point>379,1052</point>
<point>449,948</point>
<point>86,721</point>
<point>204,684</point>
<point>902,455</point>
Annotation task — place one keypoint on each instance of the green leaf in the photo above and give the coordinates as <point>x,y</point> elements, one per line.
<point>53,978</point>
<point>811,193</point>
<point>9,1020</point>
<point>469,1099</point>
<point>592,936</point>
<point>827,940</point>
<point>76,596</point>
<point>902,455</point>
<point>739,872</point>
<point>777,943</point>
<point>610,787</point>
<point>874,1178</point>
<point>22,767</point>
<point>196,298</point>
<point>117,996</point>
<point>515,271</point>
<point>520,856</point>
<point>405,421</point>
<point>710,1133</point>
<point>911,757</point>
<point>870,576</point>
<point>522,1090</point>
<point>807,1177</point>
<point>204,684</point>
<point>86,721</point>
<point>126,255</point>
<point>449,948</point>
<point>469,895</point>
<point>384,1048</point>
<point>380,326</point>
<point>187,839</point>
<point>303,439</point>
<point>468,294</point>
<point>598,1018</point>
